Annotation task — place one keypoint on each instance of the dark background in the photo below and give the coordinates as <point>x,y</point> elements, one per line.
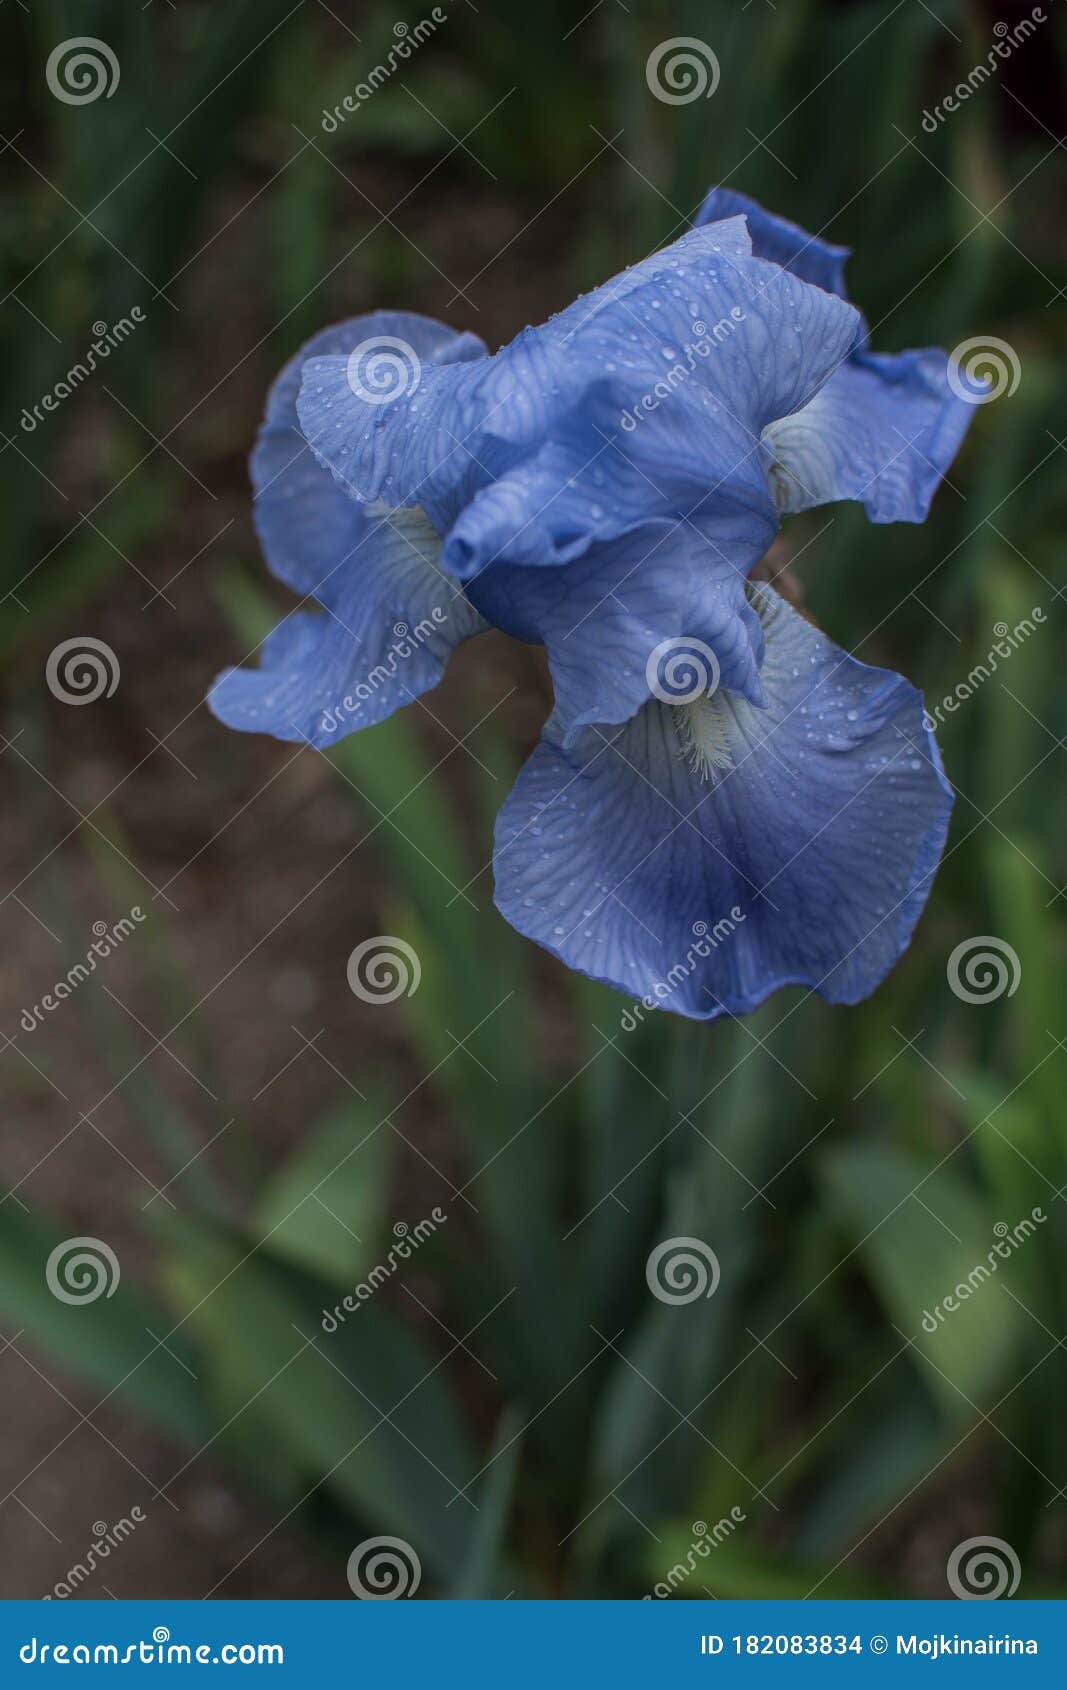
<point>246,1135</point>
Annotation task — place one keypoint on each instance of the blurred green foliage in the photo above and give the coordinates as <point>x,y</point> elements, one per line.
<point>806,1392</point>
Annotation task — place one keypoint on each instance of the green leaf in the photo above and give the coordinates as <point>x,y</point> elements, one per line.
<point>928,1246</point>
<point>480,1577</point>
<point>887,1440</point>
<point>112,1341</point>
<point>324,1208</point>
<point>362,1410</point>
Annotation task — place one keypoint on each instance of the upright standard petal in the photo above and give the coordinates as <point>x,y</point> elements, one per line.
<point>779,241</point>
<point>885,427</point>
<point>604,471</point>
<point>771,342</point>
<point>699,859</point>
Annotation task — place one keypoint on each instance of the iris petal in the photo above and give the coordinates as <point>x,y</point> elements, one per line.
<point>775,238</point>
<point>308,524</point>
<point>771,341</point>
<point>391,624</point>
<point>603,473</point>
<point>802,854</point>
<point>456,429</point>
<point>623,611</point>
<point>393,618</point>
<point>883,430</point>
<point>393,621</point>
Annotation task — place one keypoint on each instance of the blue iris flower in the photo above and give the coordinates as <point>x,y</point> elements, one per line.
<point>722,801</point>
